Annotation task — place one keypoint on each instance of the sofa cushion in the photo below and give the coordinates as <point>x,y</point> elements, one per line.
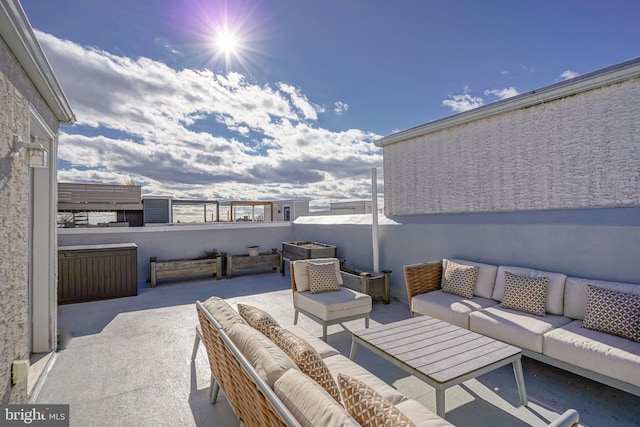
<point>575,294</point>
<point>367,406</point>
<point>555,289</point>
<point>258,319</point>
<point>448,307</point>
<point>614,312</point>
<point>321,347</point>
<point>223,312</point>
<point>309,403</point>
<point>301,272</point>
<point>333,305</point>
<point>421,416</point>
<point>322,277</point>
<point>269,361</point>
<point>307,359</point>
<point>340,364</point>
<point>527,294</point>
<point>460,279</point>
<point>486,276</point>
<point>520,329</point>
<point>596,351</point>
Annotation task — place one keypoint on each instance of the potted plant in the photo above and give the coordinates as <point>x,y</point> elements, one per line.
<point>254,250</point>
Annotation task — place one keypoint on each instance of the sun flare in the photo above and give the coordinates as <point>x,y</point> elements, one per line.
<point>227,42</point>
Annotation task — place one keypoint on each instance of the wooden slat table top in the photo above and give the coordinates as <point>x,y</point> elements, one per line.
<point>436,349</point>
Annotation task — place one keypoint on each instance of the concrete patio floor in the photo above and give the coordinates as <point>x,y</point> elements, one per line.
<point>127,362</point>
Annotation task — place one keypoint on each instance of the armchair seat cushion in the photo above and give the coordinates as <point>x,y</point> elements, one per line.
<point>449,307</point>
<point>517,328</point>
<point>333,305</point>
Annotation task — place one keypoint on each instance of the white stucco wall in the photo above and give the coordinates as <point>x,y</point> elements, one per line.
<point>17,93</point>
<point>580,151</point>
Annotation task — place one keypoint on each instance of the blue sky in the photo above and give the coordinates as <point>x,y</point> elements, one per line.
<point>294,110</point>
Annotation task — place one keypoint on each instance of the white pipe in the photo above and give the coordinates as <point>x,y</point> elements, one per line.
<point>374,223</point>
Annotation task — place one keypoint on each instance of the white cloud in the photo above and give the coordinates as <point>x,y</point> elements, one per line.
<point>340,108</point>
<point>503,93</point>
<point>569,74</point>
<point>195,132</point>
<point>463,102</point>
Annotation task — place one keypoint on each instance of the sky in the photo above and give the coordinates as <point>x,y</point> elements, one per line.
<point>283,99</point>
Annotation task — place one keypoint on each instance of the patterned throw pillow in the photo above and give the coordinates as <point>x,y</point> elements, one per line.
<point>367,406</point>
<point>527,294</point>
<point>613,312</point>
<point>307,359</point>
<point>258,319</point>
<point>460,279</point>
<point>322,277</point>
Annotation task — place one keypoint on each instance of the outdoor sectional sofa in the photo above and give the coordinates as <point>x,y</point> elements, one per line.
<point>296,382</point>
<point>608,351</point>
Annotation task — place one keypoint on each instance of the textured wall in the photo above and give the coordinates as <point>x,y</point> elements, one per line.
<point>581,151</point>
<point>16,94</point>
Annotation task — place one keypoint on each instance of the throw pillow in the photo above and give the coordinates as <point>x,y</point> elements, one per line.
<point>367,406</point>
<point>258,319</point>
<point>527,294</point>
<point>613,312</point>
<point>460,279</point>
<point>322,277</point>
<point>307,359</point>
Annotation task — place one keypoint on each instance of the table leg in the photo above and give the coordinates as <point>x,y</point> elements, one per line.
<point>517,370</point>
<point>440,402</point>
<point>354,350</point>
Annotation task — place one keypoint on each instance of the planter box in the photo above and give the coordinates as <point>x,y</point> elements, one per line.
<point>262,261</point>
<point>292,251</point>
<point>376,285</point>
<point>165,269</point>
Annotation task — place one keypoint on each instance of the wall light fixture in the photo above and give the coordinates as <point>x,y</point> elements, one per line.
<point>37,155</point>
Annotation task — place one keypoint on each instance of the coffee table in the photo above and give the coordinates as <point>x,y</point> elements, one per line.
<point>439,353</point>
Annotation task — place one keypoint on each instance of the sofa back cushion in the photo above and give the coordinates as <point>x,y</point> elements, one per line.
<point>486,276</point>
<point>309,403</point>
<point>555,288</point>
<point>268,360</point>
<point>575,294</point>
<point>224,314</point>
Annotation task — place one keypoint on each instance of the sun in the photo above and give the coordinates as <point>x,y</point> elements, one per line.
<point>227,42</point>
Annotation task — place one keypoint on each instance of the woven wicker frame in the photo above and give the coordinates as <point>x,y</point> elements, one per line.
<point>249,404</point>
<point>422,278</point>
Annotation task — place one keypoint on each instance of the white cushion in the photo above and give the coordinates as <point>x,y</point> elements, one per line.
<point>301,272</point>
<point>421,416</point>
<point>555,289</point>
<point>323,349</point>
<point>224,314</point>
<point>575,294</point>
<point>269,361</point>
<point>486,276</point>
<point>333,305</point>
<point>606,354</point>
<point>514,327</point>
<point>449,307</point>
<point>340,364</point>
<point>309,403</point>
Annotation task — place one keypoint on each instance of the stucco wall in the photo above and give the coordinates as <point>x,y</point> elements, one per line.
<point>17,93</point>
<point>581,151</point>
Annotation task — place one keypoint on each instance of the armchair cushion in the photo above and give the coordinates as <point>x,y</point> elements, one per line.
<point>322,277</point>
<point>301,271</point>
<point>333,305</point>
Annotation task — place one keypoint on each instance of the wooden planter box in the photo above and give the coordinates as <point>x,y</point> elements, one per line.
<point>165,269</point>
<point>376,285</point>
<point>293,251</point>
<point>261,261</point>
